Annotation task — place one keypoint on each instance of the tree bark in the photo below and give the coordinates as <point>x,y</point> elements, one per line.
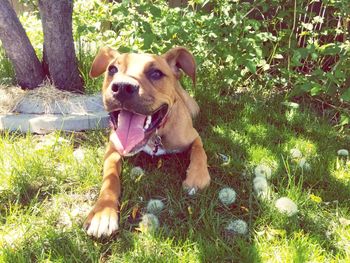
<point>29,73</point>
<point>56,17</point>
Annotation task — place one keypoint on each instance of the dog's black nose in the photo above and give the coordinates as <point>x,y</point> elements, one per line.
<point>124,91</point>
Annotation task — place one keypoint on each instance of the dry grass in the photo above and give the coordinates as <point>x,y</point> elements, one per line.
<point>45,99</point>
<point>10,97</point>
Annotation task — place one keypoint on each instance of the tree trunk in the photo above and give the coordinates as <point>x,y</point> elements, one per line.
<point>56,17</point>
<point>18,48</point>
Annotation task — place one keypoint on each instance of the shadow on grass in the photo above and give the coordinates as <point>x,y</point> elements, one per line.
<point>232,130</point>
<point>247,132</point>
<point>198,220</point>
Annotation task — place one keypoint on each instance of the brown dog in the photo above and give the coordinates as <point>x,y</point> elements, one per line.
<point>150,112</point>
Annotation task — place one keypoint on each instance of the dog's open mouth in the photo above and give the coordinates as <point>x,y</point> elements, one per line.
<point>133,130</point>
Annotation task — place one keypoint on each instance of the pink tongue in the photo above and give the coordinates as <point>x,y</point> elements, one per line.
<point>129,132</point>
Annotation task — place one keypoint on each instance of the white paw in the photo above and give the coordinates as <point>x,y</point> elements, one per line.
<point>102,223</point>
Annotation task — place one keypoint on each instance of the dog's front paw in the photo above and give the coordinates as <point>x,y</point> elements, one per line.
<point>196,179</point>
<point>102,219</point>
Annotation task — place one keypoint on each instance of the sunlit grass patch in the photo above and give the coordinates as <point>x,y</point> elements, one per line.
<point>341,167</point>
<point>148,247</point>
<point>262,155</point>
<point>297,247</point>
<point>342,175</point>
<point>307,148</point>
<point>7,73</point>
<point>45,164</point>
<point>49,183</point>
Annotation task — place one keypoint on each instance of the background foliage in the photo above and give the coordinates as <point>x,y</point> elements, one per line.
<point>299,48</point>
<point>267,70</point>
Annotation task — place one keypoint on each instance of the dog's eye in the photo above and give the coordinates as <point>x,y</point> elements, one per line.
<point>155,74</point>
<point>112,70</point>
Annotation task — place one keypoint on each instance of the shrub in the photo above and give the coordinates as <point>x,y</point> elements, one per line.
<point>260,46</point>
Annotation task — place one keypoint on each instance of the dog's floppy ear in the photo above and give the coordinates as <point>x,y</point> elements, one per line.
<point>180,58</point>
<point>104,56</point>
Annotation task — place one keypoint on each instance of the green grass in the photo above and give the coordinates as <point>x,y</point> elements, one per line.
<point>7,74</point>
<point>45,193</point>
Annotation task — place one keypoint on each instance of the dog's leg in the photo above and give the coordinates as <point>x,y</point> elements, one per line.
<point>197,173</point>
<point>103,218</point>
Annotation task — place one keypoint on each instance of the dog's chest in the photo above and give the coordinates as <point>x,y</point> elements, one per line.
<point>151,150</point>
<point>155,147</point>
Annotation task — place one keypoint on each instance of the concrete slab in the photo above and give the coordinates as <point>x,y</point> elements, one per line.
<point>79,104</point>
<point>46,123</point>
<point>47,109</point>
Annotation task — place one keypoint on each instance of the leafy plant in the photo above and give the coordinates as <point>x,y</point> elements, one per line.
<point>265,47</point>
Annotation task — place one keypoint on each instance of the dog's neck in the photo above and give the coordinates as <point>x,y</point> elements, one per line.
<point>189,102</point>
<point>178,126</point>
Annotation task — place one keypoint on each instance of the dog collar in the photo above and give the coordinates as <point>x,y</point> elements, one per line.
<point>157,143</point>
<point>158,140</point>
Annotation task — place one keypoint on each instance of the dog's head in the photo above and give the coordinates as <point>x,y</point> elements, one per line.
<point>139,90</point>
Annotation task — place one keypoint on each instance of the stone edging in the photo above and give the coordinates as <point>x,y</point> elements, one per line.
<point>46,123</point>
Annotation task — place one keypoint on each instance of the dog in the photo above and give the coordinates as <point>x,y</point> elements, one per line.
<point>149,111</point>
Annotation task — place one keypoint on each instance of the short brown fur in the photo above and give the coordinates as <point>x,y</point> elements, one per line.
<point>177,133</point>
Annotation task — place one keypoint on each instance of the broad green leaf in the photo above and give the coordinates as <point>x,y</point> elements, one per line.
<point>315,90</point>
<point>330,49</point>
<point>155,11</point>
<point>346,95</point>
<point>124,49</point>
<point>306,86</point>
<point>147,41</point>
<point>296,58</point>
<point>344,119</point>
<point>250,64</point>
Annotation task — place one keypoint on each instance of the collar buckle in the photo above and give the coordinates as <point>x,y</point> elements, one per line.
<point>157,143</point>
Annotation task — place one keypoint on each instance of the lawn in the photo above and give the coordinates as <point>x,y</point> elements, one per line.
<point>48,184</point>
<point>265,102</point>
